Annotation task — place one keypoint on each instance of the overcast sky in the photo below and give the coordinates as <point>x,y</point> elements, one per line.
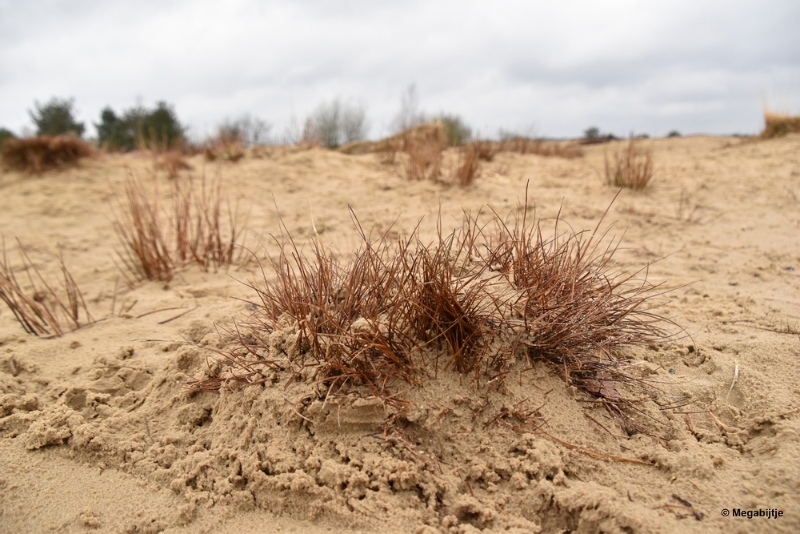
<point>556,67</point>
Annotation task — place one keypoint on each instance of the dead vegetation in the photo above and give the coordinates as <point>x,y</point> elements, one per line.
<point>529,145</point>
<point>475,301</point>
<point>43,153</point>
<point>779,124</point>
<point>226,146</point>
<point>632,167</point>
<point>42,308</point>
<point>171,161</point>
<point>201,227</point>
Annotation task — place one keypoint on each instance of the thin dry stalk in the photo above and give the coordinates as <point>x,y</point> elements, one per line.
<point>141,229</point>
<point>633,167</point>
<point>38,307</point>
<point>208,231</point>
<point>201,229</point>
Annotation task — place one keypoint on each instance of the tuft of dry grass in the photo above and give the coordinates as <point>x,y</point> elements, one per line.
<point>39,154</point>
<point>202,228</point>
<point>228,145</point>
<point>41,309</point>
<point>424,159</point>
<point>633,167</point>
<point>171,161</point>
<point>468,165</point>
<point>471,302</point>
<point>528,145</point>
<point>779,124</point>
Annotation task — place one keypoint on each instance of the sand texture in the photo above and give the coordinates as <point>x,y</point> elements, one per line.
<point>98,432</point>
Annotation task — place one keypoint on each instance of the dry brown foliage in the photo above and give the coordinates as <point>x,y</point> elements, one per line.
<point>39,154</point>
<point>424,159</point>
<point>226,146</point>
<point>468,165</point>
<point>778,124</point>
<point>38,306</point>
<point>472,302</point>
<point>202,228</point>
<point>528,145</point>
<point>633,167</point>
<point>171,161</point>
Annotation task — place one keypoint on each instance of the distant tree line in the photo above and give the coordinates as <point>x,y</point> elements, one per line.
<point>139,127</point>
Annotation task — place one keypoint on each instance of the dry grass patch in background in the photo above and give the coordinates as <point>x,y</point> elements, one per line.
<point>528,145</point>
<point>424,159</point>
<point>171,161</point>
<point>39,154</point>
<point>201,228</point>
<point>467,166</point>
<point>41,309</point>
<point>632,167</point>
<point>778,124</point>
<point>225,147</point>
<point>472,302</point>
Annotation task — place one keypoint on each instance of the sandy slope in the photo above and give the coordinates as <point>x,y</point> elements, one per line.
<point>96,432</point>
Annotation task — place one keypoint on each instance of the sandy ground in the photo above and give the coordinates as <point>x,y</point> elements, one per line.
<point>98,434</point>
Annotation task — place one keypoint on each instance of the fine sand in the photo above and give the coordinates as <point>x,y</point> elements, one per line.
<point>98,432</point>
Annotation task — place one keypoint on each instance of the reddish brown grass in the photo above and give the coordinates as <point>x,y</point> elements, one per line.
<point>399,312</point>
<point>38,306</point>
<point>202,228</point>
<point>43,153</point>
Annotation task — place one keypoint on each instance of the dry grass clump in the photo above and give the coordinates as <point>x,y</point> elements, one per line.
<point>402,311</point>
<point>199,229</point>
<point>779,124</point>
<point>424,159</point>
<point>171,161</point>
<point>228,145</point>
<point>39,154</point>
<point>468,165</point>
<point>528,145</point>
<point>41,309</point>
<point>573,307</point>
<point>633,167</point>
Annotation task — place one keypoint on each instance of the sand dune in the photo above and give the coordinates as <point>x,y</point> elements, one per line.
<point>97,432</point>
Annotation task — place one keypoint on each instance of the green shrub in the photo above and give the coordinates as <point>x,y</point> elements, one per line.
<point>456,129</point>
<point>56,118</point>
<point>139,127</point>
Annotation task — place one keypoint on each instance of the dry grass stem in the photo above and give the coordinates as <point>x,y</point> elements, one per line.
<point>202,228</point>
<point>38,306</point>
